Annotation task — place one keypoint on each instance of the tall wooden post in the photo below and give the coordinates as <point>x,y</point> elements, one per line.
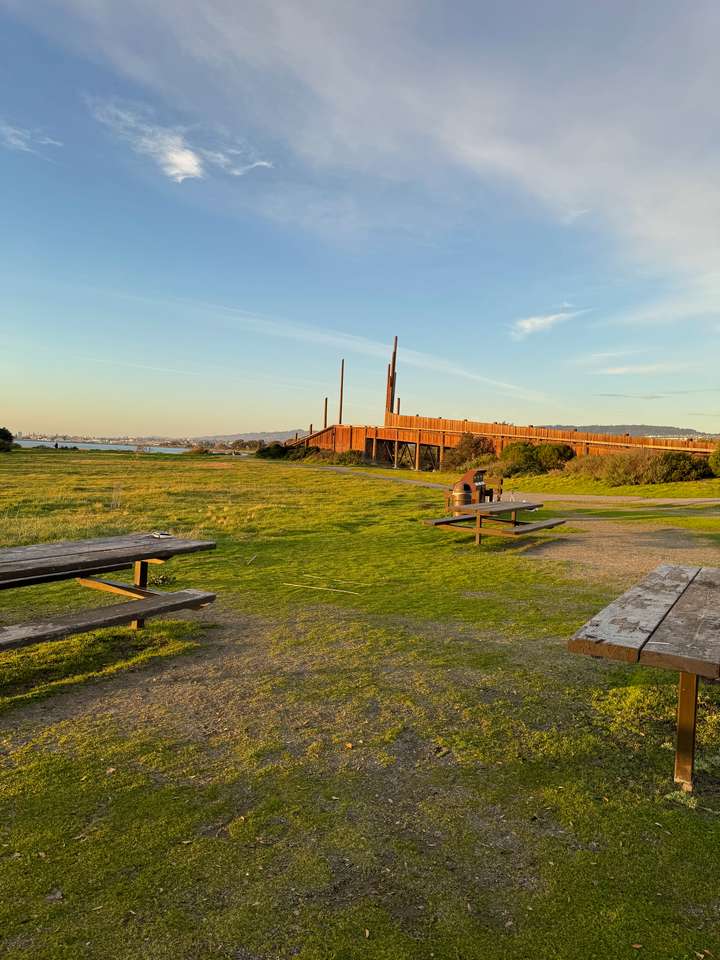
<point>325,415</point>
<point>342,388</point>
<point>398,406</point>
<point>417,451</point>
<point>393,374</point>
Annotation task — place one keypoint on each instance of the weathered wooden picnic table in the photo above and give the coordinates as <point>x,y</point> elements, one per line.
<point>671,620</point>
<point>503,513</point>
<point>83,560</point>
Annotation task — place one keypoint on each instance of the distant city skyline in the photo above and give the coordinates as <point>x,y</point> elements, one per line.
<point>204,213</point>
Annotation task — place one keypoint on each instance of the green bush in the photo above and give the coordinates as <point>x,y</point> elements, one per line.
<point>273,451</point>
<point>554,456</point>
<point>633,467</point>
<point>520,457</point>
<point>6,440</point>
<point>673,467</point>
<point>352,458</point>
<point>470,452</point>
<point>714,461</point>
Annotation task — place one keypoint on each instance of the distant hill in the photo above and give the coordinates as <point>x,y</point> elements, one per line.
<point>634,429</point>
<point>268,437</point>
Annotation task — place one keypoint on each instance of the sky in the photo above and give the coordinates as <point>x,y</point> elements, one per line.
<point>207,203</point>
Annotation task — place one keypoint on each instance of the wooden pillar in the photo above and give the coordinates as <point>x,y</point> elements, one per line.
<point>140,579</point>
<point>441,460</point>
<point>417,451</point>
<point>686,717</point>
<point>374,445</point>
<point>395,457</point>
<point>325,414</point>
<point>398,406</point>
<point>342,388</point>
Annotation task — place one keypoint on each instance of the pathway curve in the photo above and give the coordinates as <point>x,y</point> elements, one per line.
<point>589,498</point>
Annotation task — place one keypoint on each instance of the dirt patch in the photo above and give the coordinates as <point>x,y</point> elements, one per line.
<point>619,549</point>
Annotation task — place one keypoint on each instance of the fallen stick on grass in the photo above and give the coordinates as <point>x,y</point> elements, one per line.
<point>250,560</point>
<point>309,586</point>
<point>314,576</point>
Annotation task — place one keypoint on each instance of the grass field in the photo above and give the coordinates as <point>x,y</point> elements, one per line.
<point>404,763</point>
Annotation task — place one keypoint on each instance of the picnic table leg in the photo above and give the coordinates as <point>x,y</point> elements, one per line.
<point>140,580</point>
<point>478,529</point>
<point>686,716</point>
<point>513,517</point>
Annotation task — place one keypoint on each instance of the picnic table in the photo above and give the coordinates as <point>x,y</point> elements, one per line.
<point>670,620</point>
<point>83,560</point>
<point>503,515</point>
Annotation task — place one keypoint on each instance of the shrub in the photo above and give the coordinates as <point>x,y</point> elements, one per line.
<point>273,451</point>
<point>468,451</point>
<point>592,466</point>
<point>554,456</point>
<point>6,440</point>
<point>520,457</point>
<point>714,461</point>
<point>352,458</point>
<point>672,467</point>
<point>632,467</point>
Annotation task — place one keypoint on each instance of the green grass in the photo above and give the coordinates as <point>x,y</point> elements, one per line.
<point>412,769</point>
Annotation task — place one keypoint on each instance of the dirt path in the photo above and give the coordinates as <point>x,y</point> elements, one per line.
<point>589,498</point>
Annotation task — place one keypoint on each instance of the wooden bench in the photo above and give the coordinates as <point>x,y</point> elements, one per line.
<point>503,515</point>
<point>670,620</point>
<point>82,560</point>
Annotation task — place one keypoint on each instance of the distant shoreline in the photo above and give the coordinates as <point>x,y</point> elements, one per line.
<point>90,445</point>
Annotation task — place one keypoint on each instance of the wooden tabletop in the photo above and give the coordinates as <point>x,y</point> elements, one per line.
<point>671,619</point>
<point>493,506</point>
<point>43,562</point>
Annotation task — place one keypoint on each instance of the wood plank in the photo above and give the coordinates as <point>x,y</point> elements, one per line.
<point>69,547</point>
<point>117,586</point>
<point>95,562</point>
<point>525,527</point>
<point>447,520</point>
<point>66,625</point>
<point>620,631</point>
<point>688,639</point>
<point>504,506</point>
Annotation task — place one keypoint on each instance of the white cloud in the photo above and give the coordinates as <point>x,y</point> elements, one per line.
<point>169,147</point>
<point>23,139</point>
<point>528,325</point>
<point>643,369</point>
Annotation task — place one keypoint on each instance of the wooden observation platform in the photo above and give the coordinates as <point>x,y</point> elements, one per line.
<point>423,441</point>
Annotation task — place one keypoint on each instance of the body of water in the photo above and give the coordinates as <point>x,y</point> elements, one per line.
<point>83,445</point>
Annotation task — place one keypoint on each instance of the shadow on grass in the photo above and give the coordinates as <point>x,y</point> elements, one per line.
<point>42,669</point>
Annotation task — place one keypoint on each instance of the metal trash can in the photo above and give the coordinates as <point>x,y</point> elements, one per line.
<point>461,496</point>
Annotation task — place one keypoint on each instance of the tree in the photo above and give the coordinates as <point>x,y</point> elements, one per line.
<point>6,440</point>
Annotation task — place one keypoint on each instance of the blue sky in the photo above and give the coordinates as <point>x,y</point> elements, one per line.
<point>207,204</point>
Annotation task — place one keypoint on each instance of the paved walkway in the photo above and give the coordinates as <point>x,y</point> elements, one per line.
<point>589,498</point>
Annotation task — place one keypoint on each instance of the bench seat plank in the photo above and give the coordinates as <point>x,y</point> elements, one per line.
<point>521,527</point>
<point>688,639</point>
<point>620,631</point>
<point>66,625</point>
<point>448,520</point>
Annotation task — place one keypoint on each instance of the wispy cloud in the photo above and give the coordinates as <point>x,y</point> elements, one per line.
<point>24,139</point>
<point>236,317</point>
<point>642,369</point>
<point>526,326</point>
<point>177,155</point>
